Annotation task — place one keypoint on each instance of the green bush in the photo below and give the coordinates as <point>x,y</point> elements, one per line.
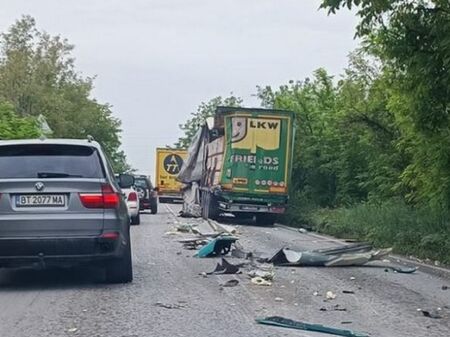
<point>422,232</point>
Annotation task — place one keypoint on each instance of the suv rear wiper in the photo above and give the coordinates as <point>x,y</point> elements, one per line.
<point>57,175</point>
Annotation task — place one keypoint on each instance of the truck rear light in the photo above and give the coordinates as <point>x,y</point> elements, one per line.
<point>106,199</point>
<point>279,210</point>
<point>132,196</point>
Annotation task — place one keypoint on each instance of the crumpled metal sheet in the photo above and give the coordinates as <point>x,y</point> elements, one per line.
<point>337,257</point>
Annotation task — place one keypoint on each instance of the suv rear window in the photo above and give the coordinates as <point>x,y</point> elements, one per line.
<point>141,182</point>
<point>49,161</point>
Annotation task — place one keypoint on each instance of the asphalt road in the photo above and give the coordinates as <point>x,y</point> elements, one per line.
<point>76,303</point>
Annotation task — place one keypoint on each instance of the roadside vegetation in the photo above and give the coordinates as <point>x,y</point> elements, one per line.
<point>39,82</point>
<point>372,159</point>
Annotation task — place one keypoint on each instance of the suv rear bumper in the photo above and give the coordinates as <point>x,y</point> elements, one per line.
<point>16,252</point>
<point>147,203</point>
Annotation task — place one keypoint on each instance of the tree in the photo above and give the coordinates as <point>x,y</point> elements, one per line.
<point>38,76</point>
<point>15,127</point>
<point>412,40</point>
<point>204,110</point>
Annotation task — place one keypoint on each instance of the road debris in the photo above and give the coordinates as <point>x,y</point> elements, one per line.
<point>169,305</point>
<point>444,287</point>
<point>335,307</point>
<point>72,330</point>
<point>239,252</point>
<point>266,275</point>
<point>193,243</point>
<point>288,323</point>
<point>184,228</point>
<point>217,246</point>
<point>431,313</point>
<point>230,283</point>
<point>278,299</point>
<point>330,295</point>
<point>348,292</point>
<point>350,255</point>
<point>225,267</point>
<point>260,281</point>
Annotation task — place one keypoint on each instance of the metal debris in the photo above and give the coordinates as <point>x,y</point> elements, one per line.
<point>169,306</point>
<point>288,323</point>
<point>217,246</point>
<point>230,283</point>
<point>225,267</point>
<point>266,275</point>
<point>431,313</point>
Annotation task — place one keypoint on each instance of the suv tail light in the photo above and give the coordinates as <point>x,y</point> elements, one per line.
<point>106,199</point>
<point>132,196</point>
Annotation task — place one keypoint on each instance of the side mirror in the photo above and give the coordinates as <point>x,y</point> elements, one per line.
<point>126,180</point>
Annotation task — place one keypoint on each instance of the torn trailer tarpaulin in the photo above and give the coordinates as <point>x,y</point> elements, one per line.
<point>217,247</point>
<point>192,169</point>
<point>191,201</point>
<point>289,323</point>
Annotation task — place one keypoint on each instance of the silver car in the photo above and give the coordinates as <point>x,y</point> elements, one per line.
<point>60,205</point>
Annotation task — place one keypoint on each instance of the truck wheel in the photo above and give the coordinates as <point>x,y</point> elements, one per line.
<point>120,270</point>
<point>204,206</point>
<point>213,211</point>
<point>265,219</point>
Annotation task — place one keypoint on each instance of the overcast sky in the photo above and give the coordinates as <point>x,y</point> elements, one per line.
<point>156,60</point>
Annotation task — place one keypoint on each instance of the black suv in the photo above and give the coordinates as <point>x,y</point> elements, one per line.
<point>148,197</point>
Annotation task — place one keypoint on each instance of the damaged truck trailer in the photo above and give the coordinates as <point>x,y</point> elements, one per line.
<point>240,163</point>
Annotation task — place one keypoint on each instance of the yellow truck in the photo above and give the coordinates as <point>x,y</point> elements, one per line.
<point>168,165</point>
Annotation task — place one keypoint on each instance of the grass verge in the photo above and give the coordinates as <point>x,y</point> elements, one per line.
<point>410,231</point>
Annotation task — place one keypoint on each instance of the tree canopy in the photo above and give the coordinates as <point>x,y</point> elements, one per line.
<point>412,41</point>
<point>204,110</point>
<point>38,77</point>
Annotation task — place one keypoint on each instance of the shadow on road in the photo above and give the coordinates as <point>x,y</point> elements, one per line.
<point>230,220</point>
<point>33,279</point>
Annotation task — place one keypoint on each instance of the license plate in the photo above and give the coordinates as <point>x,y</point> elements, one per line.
<point>41,200</point>
<point>249,208</point>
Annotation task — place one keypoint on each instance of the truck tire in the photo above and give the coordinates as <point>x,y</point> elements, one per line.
<point>203,205</point>
<point>265,219</point>
<point>209,206</point>
<point>120,270</point>
<point>213,210</point>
